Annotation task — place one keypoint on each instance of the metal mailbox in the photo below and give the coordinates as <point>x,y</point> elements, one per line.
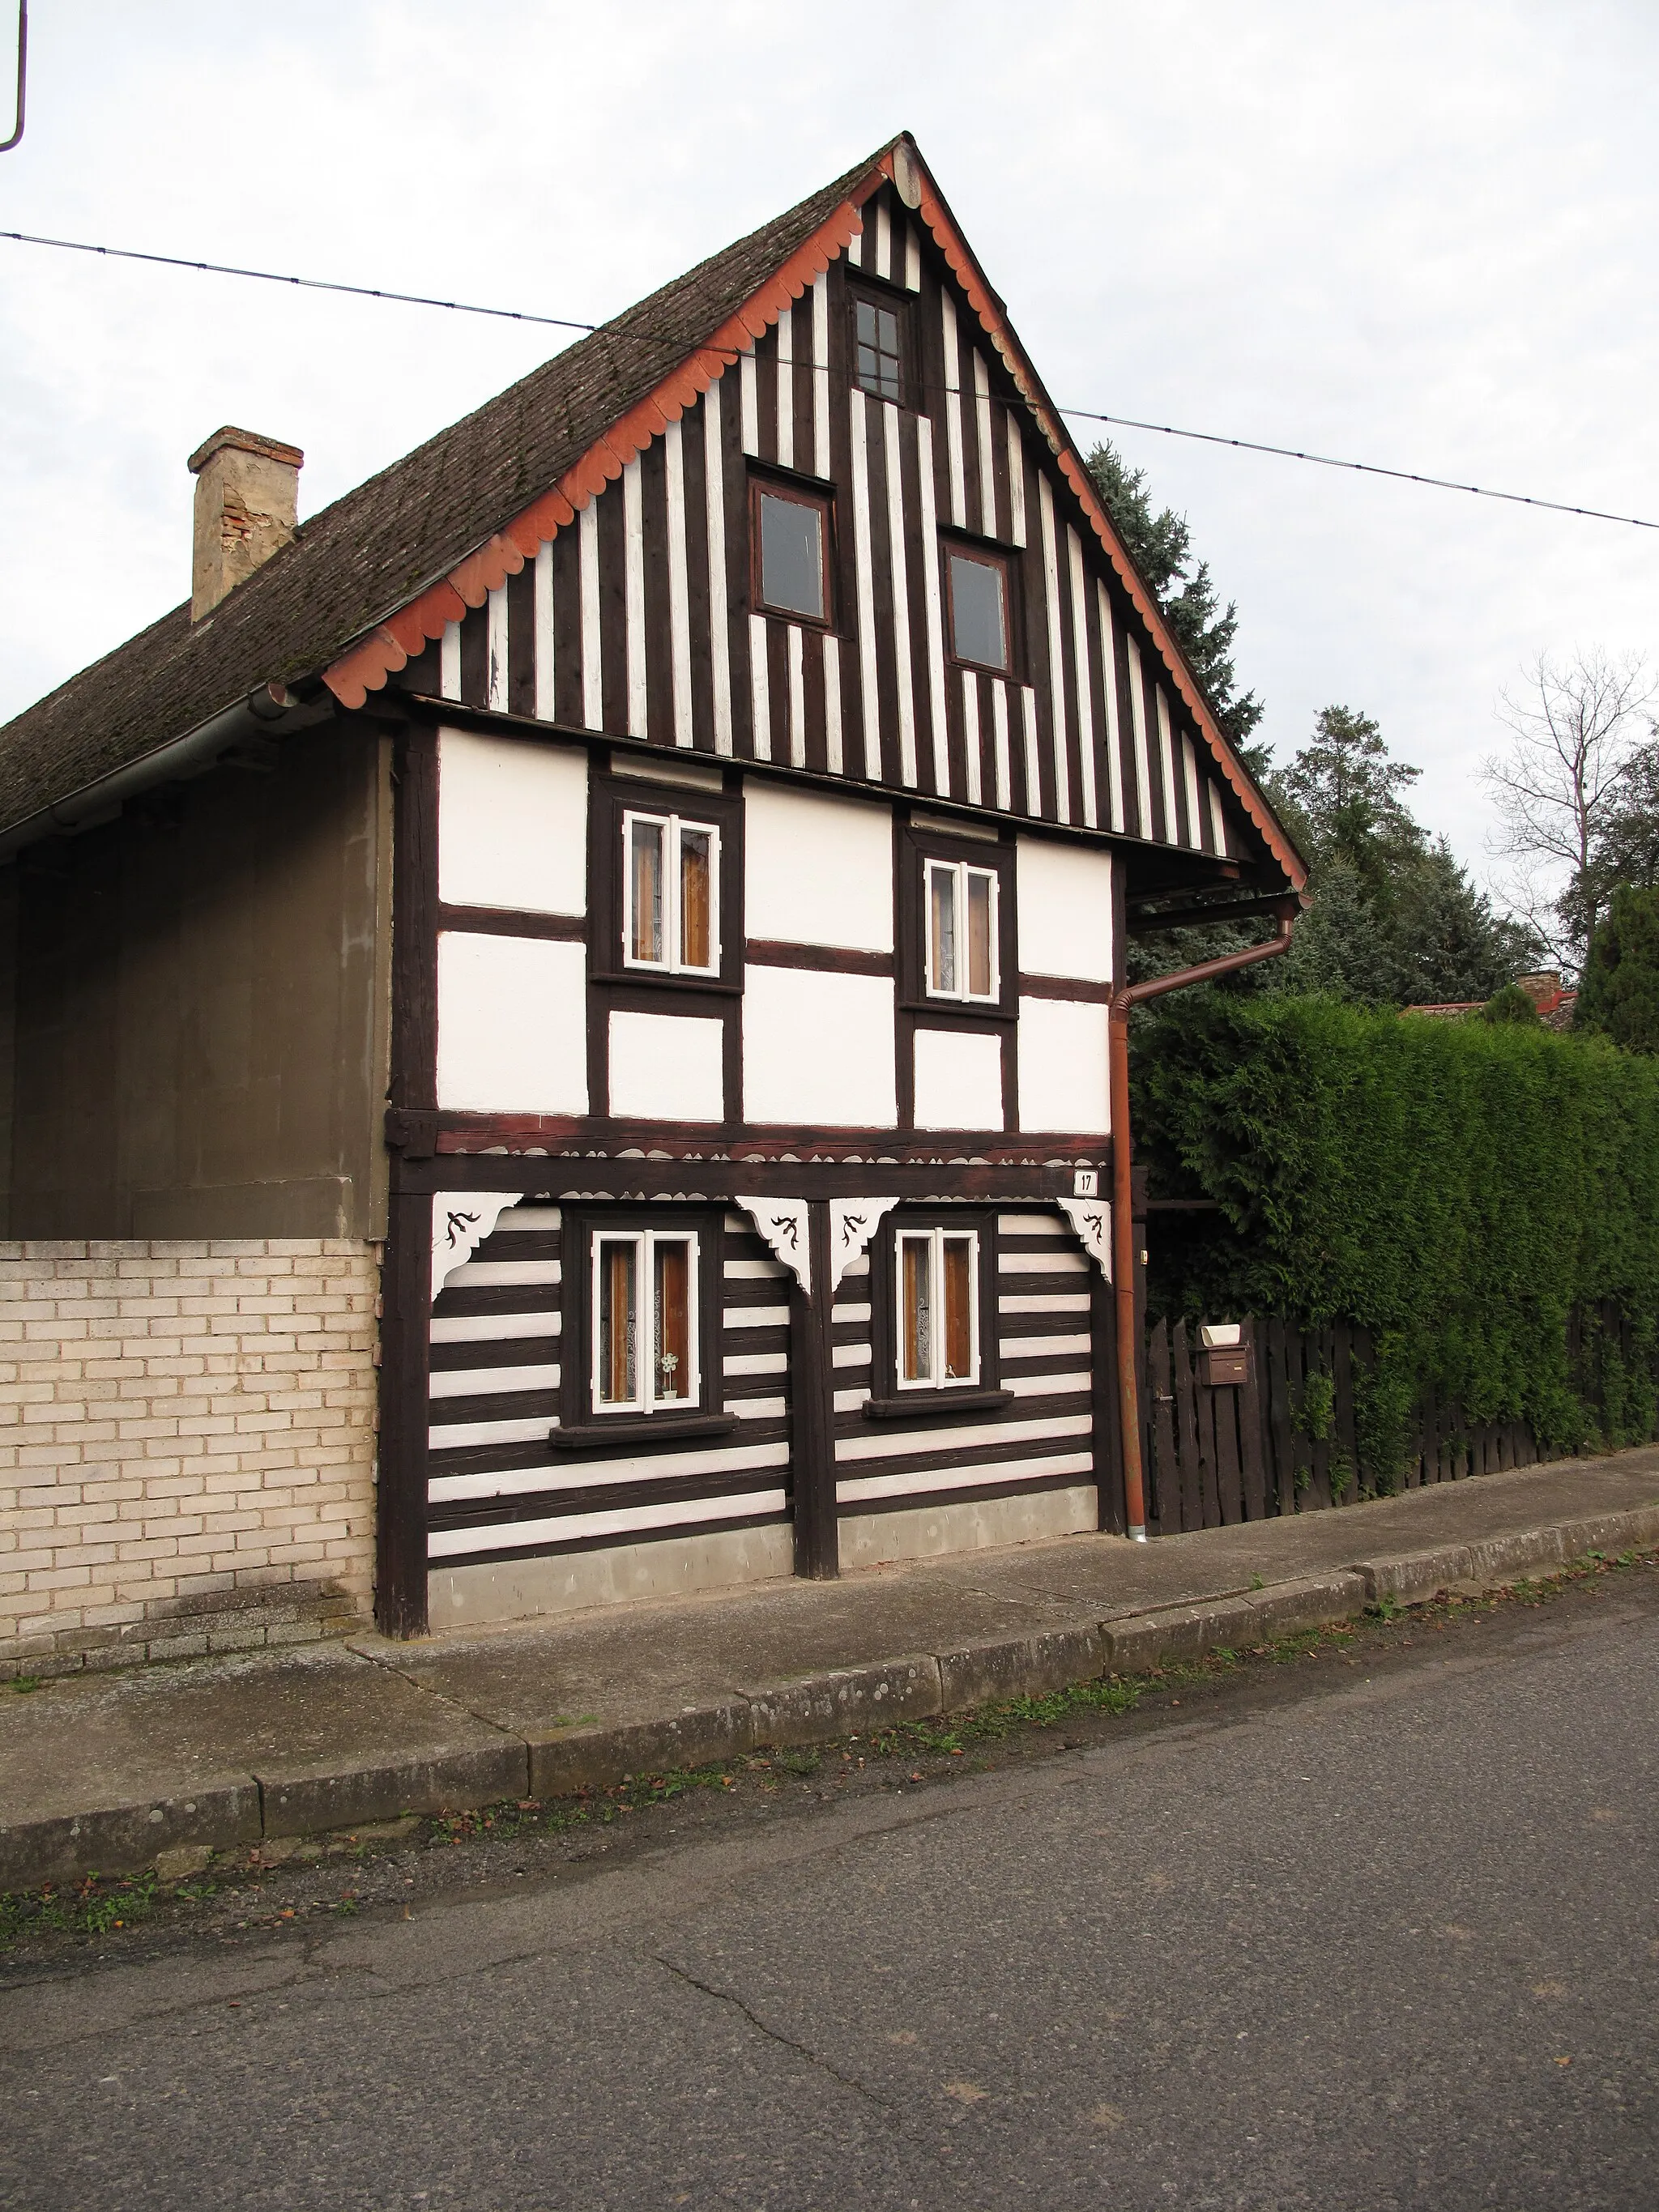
<point>1223,1363</point>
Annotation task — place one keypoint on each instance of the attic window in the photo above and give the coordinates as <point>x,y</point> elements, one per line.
<point>977,584</point>
<point>791,551</point>
<point>877,348</point>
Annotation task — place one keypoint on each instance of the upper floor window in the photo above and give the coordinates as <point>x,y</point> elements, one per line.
<point>671,908</point>
<point>960,917</point>
<point>791,551</point>
<point>877,348</point>
<point>976,585</point>
<point>645,1321</point>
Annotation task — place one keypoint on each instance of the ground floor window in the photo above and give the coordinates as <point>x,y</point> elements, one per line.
<point>938,1301</point>
<point>645,1321</point>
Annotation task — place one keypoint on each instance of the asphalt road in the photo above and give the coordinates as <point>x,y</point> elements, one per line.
<point>1376,1933</point>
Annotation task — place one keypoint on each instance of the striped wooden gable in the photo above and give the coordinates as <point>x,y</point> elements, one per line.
<point>632,616</point>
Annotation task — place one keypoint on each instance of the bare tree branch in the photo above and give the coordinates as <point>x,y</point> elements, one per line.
<point>1574,728</point>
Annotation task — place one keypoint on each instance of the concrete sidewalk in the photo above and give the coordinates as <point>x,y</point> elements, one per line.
<point>105,1772</point>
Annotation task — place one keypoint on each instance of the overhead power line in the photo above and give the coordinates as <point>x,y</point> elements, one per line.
<point>306,283</point>
<point>1075,414</point>
<point>1361,468</point>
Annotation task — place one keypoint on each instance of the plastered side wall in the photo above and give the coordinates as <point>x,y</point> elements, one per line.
<point>200,1007</point>
<point>182,1422</point>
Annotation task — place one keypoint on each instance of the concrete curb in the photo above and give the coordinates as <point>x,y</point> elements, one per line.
<point>63,1848</point>
<point>812,1709</point>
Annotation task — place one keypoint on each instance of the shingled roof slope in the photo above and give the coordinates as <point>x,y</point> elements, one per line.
<point>354,563</point>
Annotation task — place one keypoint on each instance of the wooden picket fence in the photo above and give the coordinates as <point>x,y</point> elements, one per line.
<point>1283,1440</point>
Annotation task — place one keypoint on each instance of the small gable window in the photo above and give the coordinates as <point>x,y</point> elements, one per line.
<point>977,584</point>
<point>791,548</point>
<point>960,917</point>
<point>878,354</point>
<point>672,913</point>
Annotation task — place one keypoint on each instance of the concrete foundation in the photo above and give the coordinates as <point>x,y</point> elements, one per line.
<point>929,1531</point>
<point>569,1581</point>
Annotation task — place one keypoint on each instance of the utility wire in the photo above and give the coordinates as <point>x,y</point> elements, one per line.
<point>1076,414</point>
<point>308,283</point>
<point>1363,468</point>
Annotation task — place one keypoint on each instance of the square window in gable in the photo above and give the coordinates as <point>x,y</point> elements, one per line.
<point>791,542</point>
<point>976,586</point>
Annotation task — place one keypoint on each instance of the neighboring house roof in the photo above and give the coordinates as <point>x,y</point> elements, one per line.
<point>367,582</point>
<point>1555,1004</point>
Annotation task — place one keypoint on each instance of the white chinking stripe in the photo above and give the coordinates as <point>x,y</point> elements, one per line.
<point>588,1474</point>
<point>461,1220</point>
<point>857,1487</point>
<point>627,1521</point>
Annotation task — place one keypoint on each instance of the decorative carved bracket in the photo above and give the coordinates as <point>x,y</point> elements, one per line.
<point>853,1223</point>
<point>461,1220</point>
<point>1091,1217</point>
<point>783,1222</point>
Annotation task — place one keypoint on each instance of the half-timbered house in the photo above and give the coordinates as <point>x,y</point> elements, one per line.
<point>653,866</point>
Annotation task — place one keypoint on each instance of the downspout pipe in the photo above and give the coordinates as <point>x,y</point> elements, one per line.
<point>267,712</point>
<point>1123,1234</point>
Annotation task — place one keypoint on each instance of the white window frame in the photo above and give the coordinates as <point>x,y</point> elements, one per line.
<point>936,1380</point>
<point>674,825</point>
<point>961,870</point>
<point>645,1398</point>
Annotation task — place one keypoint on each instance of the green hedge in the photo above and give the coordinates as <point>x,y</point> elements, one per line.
<point>1458,1187</point>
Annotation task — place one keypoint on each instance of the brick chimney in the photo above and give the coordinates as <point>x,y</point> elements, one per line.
<point>247,498</point>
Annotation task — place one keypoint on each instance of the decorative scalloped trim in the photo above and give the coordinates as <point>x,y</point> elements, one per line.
<point>393,644</point>
<point>958,254</point>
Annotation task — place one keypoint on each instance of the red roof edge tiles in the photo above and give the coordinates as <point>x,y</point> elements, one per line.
<point>968,273</point>
<point>368,663</point>
<point>366,667</point>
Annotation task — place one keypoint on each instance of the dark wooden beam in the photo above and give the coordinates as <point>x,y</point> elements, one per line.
<point>400,1604</point>
<point>811,1422</point>
<point>400,1608</point>
<point>575,1175</point>
<point>1195,917</point>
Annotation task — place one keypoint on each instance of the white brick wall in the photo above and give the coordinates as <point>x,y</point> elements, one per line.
<point>178,1418</point>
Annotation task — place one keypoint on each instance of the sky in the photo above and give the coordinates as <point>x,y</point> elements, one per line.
<point>1421,235</point>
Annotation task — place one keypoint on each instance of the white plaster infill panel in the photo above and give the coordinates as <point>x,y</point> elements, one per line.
<point>853,1223</point>
<point>667,1067</point>
<point>818,871</point>
<point>1091,1217</point>
<point>958,1079</point>
<point>511,1024</point>
<point>512,824</point>
<point>1063,1081</point>
<point>783,1222</point>
<point>819,1048</point>
<point>461,1220</point>
<point>1065,911</point>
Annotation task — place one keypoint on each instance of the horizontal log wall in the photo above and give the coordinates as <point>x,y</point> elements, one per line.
<point>497,1492</point>
<point>1042,1441</point>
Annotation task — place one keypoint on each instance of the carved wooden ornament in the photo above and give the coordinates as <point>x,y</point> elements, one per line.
<point>782,1222</point>
<point>1091,1217</point>
<point>853,1223</point>
<point>461,1220</point>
